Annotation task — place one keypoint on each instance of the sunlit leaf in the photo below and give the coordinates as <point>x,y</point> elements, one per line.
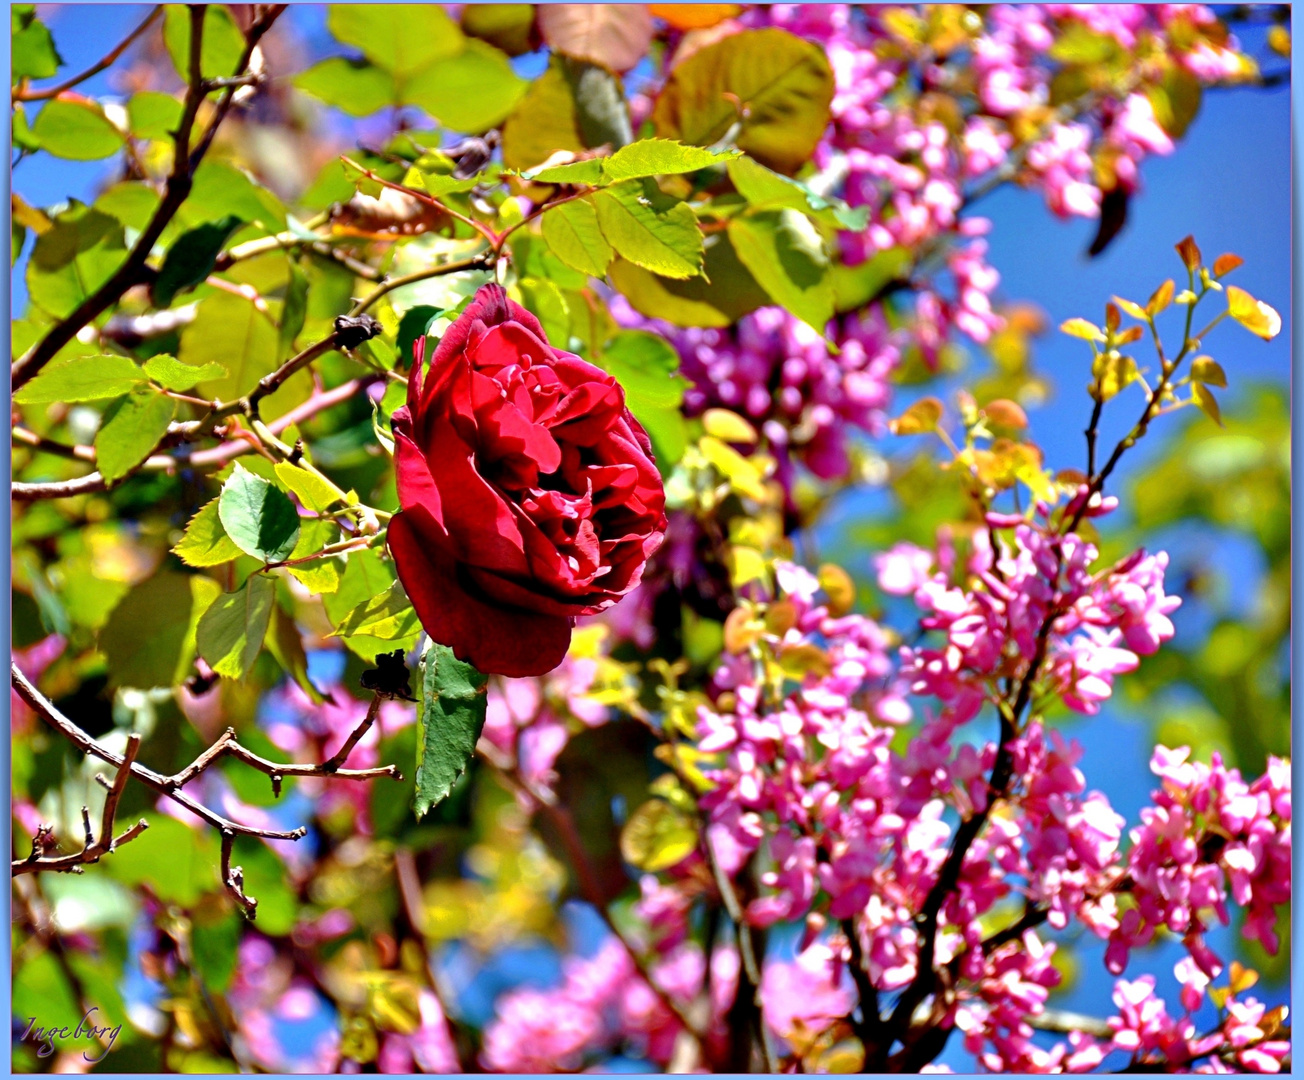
<point>231,632</point>
<point>259,518</point>
<point>450,718</point>
<point>131,430</point>
<point>657,836</point>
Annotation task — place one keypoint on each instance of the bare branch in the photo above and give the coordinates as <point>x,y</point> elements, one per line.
<point>170,787</point>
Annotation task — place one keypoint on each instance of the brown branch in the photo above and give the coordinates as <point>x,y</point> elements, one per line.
<point>45,94</point>
<point>93,849</point>
<point>176,190</point>
<point>481,261</point>
<point>170,786</point>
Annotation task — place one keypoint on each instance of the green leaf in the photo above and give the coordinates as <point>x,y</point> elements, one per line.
<point>650,230</point>
<point>724,293</point>
<point>660,157</point>
<point>285,644</point>
<point>220,189</point>
<point>657,836</point>
<point>205,543</point>
<point>178,863</point>
<point>82,378</point>
<point>149,639</point>
<point>75,130</point>
<point>449,721</point>
<point>647,366</point>
<point>544,121</point>
<point>355,87</point>
<point>573,234</point>
<point>765,189</point>
<point>321,576</point>
<point>221,46</point>
<point>389,616</point>
<point>231,632</point>
<point>508,26</point>
<point>587,172</point>
<point>361,179</point>
<point>215,945</point>
<point>365,576</point>
<point>32,54</point>
<point>294,312</point>
<point>785,254</point>
<point>132,429</point>
<point>401,38</point>
<point>152,115</point>
<point>470,92</point>
<point>230,331</point>
<point>258,517</point>
<point>171,373</point>
<point>190,259</point>
<point>72,260</point>
<point>315,494</point>
<point>542,297</point>
<point>776,87</point>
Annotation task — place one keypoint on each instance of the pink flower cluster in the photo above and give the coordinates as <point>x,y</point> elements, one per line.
<point>603,1004</point>
<point>1041,589</point>
<point>780,374</point>
<point>1208,834</point>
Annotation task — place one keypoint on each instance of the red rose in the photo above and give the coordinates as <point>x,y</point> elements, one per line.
<point>528,491</point>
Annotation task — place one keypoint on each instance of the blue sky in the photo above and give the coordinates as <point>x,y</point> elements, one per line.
<point>1229,184</point>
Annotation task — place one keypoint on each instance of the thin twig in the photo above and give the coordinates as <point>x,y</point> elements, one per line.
<point>45,94</point>
<point>170,786</point>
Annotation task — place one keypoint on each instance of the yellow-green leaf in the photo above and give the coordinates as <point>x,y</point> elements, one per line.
<point>657,836</point>
<point>1082,328</point>
<point>1256,316</point>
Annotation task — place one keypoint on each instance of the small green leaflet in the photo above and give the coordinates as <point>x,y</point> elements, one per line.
<point>450,718</point>
<point>389,616</point>
<point>663,239</point>
<point>82,378</point>
<point>575,237</point>
<point>646,157</point>
<point>314,492</point>
<point>205,543</point>
<point>132,428</point>
<point>258,516</point>
<point>231,632</point>
<point>76,131</point>
<point>190,260</point>
<point>172,374</point>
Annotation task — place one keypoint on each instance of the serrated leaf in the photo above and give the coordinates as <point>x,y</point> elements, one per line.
<point>662,238</point>
<point>389,616</point>
<point>320,576</point>
<point>171,373</point>
<point>785,255</point>
<point>921,418</point>
<point>353,86</point>
<point>205,543</point>
<point>258,517</point>
<point>657,836</point>
<point>660,157</point>
<point>82,378</point>
<point>775,86</point>
<point>131,430</point>
<point>1207,370</point>
<point>575,237</point>
<point>190,259</point>
<point>450,718</point>
<point>230,633</point>
<point>76,131</point>
<point>314,492</point>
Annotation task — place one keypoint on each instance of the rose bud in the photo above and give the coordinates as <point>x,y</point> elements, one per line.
<point>528,491</point>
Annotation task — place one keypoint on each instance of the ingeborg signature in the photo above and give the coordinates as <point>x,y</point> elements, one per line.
<point>47,1037</point>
